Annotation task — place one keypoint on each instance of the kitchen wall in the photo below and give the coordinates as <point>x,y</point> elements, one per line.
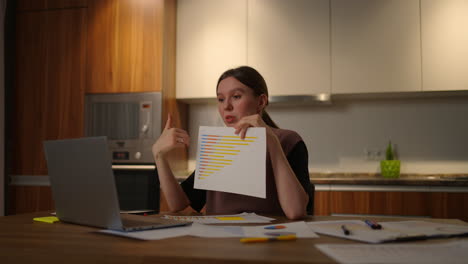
<point>350,135</point>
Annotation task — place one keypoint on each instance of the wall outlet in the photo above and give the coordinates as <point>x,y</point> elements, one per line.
<point>373,154</point>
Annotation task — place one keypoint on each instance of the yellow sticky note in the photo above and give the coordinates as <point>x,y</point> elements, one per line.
<point>47,219</point>
<point>230,218</point>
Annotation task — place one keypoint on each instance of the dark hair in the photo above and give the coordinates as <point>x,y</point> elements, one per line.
<point>252,79</point>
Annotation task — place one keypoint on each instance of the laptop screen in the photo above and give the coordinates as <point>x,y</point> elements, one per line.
<point>82,181</point>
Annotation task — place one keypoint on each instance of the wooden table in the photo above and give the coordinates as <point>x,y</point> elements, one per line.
<point>24,241</point>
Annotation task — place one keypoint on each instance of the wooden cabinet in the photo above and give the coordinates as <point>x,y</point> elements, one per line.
<point>28,5</point>
<point>126,46</point>
<point>429,204</point>
<point>49,92</point>
<point>31,55</point>
<point>64,49</point>
<point>48,95</point>
<point>444,26</point>
<point>211,38</point>
<point>289,44</point>
<point>375,46</point>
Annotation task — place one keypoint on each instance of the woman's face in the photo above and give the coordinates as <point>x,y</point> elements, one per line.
<point>236,100</point>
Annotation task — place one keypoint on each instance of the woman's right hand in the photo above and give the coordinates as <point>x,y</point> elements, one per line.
<point>170,138</point>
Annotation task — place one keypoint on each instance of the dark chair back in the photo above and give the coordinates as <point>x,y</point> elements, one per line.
<point>310,204</point>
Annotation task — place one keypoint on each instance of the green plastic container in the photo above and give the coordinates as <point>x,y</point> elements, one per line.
<point>390,168</point>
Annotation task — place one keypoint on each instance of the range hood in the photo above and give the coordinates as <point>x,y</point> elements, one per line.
<point>322,98</point>
<point>308,99</point>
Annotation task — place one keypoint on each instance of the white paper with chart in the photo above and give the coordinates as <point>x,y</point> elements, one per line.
<point>227,163</point>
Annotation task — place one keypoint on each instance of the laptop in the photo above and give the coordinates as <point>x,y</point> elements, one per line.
<point>84,190</point>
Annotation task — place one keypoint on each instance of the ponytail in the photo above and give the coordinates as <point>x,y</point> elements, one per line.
<point>267,119</point>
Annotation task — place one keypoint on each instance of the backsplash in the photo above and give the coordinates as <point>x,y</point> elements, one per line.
<point>431,135</point>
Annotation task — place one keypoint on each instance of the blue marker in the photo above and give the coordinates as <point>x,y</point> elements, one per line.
<point>373,224</point>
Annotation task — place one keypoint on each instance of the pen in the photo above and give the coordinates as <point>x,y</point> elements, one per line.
<point>345,230</point>
<point>267,239</point>
<point>373,224</point>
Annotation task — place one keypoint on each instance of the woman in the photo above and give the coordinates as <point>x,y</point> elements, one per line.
<point>242,97</point>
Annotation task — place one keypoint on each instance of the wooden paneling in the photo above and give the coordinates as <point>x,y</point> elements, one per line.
<point>52,4</point>
<point>24,199</point>
<point>124,46</point>
<point>63,97</point>
<point>48,95</point>
<point>31,79</point>
<point>450,205</point>
<point>349,202</point>
<point>178,157</point>
<point>130,47</point>
<point>429,204</point>
<point>22,5</point>
<point>322,203</point>
<point>49,92</point>
<point>27,5</point>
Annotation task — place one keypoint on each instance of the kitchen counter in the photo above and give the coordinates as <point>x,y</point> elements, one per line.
<point>449,180</point>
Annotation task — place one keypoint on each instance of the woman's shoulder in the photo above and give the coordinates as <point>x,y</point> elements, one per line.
<point>288,138</point>
<point>286,134</point>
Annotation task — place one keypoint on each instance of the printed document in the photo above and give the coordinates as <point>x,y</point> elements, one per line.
<point>390,231</point>
<point>242,218</point>
<point>300,229</point>
<point>227,163</point>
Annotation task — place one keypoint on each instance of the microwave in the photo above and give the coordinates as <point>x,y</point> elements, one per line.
<point>130,121</point>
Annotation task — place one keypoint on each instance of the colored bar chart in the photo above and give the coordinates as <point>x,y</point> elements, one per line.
<point>225,162</point>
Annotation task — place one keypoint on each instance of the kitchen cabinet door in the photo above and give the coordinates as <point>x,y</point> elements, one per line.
<point>444,26</point>
<point>125,46</point>
<point>49,91</point>
<point>30,83</point>
<point>289,44</point>
<point>48,95</point>
<point>425,204</point>
<point>375,46</point>
<point>35,5</point>
<point>62,99</point>
<point>211,38</point>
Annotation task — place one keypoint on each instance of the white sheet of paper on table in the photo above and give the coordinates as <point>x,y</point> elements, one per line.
<point>242,218</point>
<point>229,164</point>
<point>440,252</point>
<point>155,234</point>
<point>300,229</point>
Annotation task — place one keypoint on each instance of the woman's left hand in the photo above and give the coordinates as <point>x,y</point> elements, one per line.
<point>249,121</point>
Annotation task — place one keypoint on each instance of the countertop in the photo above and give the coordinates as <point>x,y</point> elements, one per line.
<point>455,180</point>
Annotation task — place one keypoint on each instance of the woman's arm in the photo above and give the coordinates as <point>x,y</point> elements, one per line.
<point>292,196</point>
<point>170,138</point>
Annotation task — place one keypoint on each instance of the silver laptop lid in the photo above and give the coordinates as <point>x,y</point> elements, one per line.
<point>82,181</point>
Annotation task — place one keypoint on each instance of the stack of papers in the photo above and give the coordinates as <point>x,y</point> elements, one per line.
<point>300,229</point>
<point>391,231</point>
<point>243,218</point>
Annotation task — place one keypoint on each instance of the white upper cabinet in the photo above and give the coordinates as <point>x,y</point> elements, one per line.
<point>444,28</point>
<point>211,38</point>
<point>376,46</point>
<point>289,44</point>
